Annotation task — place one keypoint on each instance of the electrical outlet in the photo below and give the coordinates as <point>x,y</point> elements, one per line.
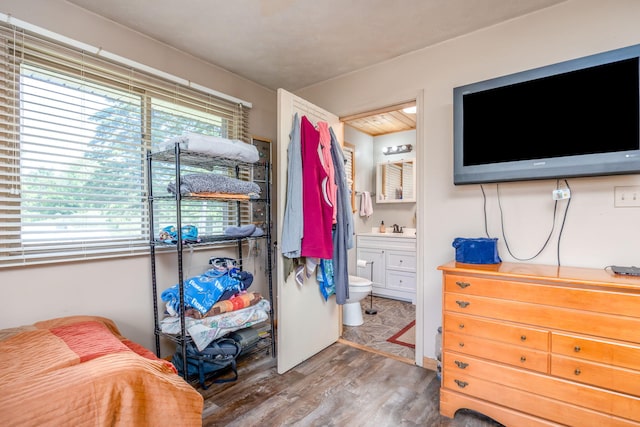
<point>561,194</point>
<point>627,197</point>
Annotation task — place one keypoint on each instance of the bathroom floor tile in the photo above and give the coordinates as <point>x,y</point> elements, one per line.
<point>392,316</point>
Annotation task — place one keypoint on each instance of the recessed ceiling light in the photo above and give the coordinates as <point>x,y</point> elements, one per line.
<point>410,110</point>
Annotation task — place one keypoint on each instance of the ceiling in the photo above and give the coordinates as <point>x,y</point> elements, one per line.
<point>292,44</point>
<point>384,120</point>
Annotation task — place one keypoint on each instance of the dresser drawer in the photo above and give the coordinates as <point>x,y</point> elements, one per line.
<point>589,323</point>
<point>610,377</point>
<point>623,355</point>
<point>401,281</point>
<point>533,393</point>
<point>509,333</point>
<point>401,260</point>
<point>589,299</point>
<point>522,357</point>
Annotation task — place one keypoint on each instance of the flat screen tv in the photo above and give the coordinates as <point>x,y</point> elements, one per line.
<point>576,118</point>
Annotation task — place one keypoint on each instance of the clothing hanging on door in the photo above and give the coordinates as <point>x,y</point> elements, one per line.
<point>292,226</point>
<point>318,178</point>
<point>317,210</point>
<point>343,233</point>
<point>327,162</point>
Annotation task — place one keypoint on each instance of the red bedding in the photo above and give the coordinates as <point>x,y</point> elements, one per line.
<point>80,371</point>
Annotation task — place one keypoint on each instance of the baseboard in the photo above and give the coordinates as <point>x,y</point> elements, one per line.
<point>429,363</point>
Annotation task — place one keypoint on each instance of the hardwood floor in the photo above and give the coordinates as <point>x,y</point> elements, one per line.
<point>340,386</point>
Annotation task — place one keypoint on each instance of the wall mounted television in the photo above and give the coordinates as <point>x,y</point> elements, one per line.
<point>575,118</point>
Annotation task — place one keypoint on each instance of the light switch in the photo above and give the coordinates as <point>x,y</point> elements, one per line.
<point>627,197</point>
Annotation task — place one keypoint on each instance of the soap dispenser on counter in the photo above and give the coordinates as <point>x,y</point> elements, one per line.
<point>383,229</point>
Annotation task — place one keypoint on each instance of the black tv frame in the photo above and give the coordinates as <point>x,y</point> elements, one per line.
<point>609,163</point>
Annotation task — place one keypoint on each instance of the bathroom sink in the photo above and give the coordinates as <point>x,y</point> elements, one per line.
<point>406,233</point>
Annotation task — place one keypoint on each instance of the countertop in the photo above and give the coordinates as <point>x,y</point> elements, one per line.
<point>408,233</point>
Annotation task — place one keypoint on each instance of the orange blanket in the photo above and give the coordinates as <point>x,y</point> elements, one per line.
<point>80,371</point>
<point>234,303</point>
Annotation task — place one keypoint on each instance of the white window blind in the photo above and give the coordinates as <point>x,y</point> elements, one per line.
<point>349,170</point>
<point>74,131</point>
<point>407,181</point>
<point>392,180</point>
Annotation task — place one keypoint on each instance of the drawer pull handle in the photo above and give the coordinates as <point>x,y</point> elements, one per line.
<point>523,337</point>
<point>523,359</point>
<point>462,304</point>
<point>461,326</point>
<point>577,371</point>
<point>461,365</point>
<point>461,344</point>
<point>463,284</point>
<point>461,384</point>
<point>577,349</point>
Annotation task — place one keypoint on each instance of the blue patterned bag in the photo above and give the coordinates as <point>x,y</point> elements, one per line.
<point>169,234</point>
<point>480,250</point>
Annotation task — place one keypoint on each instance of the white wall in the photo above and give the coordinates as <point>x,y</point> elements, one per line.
<point>119,289</point>
<point>595,234</point>
<point>365,177</point>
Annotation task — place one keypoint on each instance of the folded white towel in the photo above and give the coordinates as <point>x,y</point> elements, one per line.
<point>215,146</point>
<point>366,206</point>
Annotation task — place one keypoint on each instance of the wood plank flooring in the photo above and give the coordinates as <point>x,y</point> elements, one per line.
<point>341,386</point>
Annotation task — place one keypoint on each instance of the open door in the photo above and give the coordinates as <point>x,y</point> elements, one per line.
<point>306,322</point>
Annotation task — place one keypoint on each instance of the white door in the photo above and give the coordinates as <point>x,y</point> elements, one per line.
<point>306,322</point>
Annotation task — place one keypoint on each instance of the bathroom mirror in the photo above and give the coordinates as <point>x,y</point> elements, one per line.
<point>396,181</point>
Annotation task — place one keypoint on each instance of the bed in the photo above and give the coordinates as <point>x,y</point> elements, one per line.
<point>81,371</point>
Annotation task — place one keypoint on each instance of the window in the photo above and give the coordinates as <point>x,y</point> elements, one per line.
<point>349,151</point>
<point>74,132</point>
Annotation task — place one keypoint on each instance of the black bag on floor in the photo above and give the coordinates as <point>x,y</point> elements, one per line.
<point>210,362</point>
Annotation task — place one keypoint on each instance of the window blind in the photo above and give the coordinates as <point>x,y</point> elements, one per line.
<point>407,181</point>
<point>392,180</point>
<point>74,132</point>
<point>349,170</point>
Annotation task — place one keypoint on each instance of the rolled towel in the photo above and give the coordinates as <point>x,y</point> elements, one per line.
<point>212,182</point>
<point>258,232</point>
<point>241,231</point>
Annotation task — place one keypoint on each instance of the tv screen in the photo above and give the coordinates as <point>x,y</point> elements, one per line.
<point>575,118</point>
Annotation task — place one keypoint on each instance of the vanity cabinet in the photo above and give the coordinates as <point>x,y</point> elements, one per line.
<point>394,265</point>
<point>541,345</point>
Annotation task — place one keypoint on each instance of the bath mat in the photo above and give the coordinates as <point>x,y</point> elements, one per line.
<point>405,336</point>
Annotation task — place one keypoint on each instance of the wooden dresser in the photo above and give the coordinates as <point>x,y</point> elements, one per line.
<point>536,345</point>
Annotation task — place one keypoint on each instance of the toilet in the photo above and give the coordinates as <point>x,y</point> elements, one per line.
<point>359,288</point>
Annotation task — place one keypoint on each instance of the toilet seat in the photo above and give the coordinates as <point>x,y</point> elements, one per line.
<point>359,281</point>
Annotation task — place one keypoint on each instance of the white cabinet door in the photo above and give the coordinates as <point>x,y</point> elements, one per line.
<point>306,322</point>
<point>378,268</point>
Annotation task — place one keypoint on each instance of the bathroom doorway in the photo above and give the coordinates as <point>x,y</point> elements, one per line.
<point>391,331</point>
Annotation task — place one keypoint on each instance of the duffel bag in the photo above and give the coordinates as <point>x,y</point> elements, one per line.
<point>210,362</point>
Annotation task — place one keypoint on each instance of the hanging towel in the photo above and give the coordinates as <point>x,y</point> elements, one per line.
<point>366,207</point>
